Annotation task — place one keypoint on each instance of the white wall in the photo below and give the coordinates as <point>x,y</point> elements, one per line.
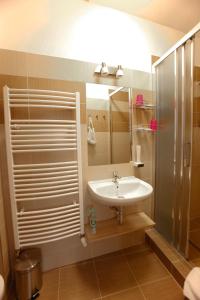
<point>82,31</point>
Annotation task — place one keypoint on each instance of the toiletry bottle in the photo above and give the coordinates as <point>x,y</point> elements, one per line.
<point>153,125</point>
<point>139,100</point>
<point>138,153</point>
<point>92,218</point>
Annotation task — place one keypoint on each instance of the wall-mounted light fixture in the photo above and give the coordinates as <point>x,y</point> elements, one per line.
<point>104,70</point>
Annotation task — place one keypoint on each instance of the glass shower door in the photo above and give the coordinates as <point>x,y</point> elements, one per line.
<point>187,133</point>
<point>173,146</point>
<point>165,143</point>
<point>194,234</point>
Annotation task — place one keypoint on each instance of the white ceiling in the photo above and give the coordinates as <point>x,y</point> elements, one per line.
<point>179,14</point>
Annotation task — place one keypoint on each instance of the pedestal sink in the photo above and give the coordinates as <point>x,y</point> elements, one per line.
<point>125,191</point>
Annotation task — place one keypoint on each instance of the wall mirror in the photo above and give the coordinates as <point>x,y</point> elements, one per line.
<point>108,124</point>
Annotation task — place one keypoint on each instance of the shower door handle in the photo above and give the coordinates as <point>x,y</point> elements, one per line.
<point>187,154</point>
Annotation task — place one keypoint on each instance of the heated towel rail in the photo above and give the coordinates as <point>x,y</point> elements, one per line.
<point>32,183</point>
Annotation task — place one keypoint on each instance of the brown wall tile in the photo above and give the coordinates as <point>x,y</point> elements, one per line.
<point>120,96</point>
<point>41,83</point>
<point>120,127</point>
<point>10,81</point>
<point>120,116</point>
<point>13,63</point>
<point>196,73</point>
<point>62,85</point>
<point>100,120</point>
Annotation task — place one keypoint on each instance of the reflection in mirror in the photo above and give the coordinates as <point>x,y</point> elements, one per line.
<point>107,124</point>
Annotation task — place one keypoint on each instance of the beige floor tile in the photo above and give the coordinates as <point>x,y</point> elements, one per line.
<point>49,289</point>
<point>131,294</point>
<point>146,266</point>
<point>114,275</point>
<point>165,289</point>
<point>78,282</point>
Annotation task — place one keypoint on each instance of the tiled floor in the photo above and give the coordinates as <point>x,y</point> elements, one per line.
<point>131,274</point>
<point>194,249</point>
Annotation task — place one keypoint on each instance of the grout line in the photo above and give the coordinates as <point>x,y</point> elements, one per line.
<point>97,278</point>
<point>119,292</point>
<point>150,282</point>
<point>59,275</point>
<point>95,270</point>
<point>156,280</point>
<point>138,285</point>
<point>122,254</point>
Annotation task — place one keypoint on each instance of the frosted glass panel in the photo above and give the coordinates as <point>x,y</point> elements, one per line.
<point>173,151</point>
<point>165,191</point>
<point>194,234</point>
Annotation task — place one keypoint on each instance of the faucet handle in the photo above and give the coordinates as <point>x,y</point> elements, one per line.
<point>115,174</point>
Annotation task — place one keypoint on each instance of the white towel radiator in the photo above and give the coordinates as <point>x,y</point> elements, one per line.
<point>31,184</point>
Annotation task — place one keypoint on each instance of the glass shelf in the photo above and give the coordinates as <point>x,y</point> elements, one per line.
<point>144,129</point>
<point>145,106</point>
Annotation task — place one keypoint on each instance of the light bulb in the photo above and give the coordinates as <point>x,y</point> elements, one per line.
<point>119,72</point>
<point>104,69</point>
<point>98,69</point>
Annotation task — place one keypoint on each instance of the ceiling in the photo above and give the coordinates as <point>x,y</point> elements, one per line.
<point>181,15</point>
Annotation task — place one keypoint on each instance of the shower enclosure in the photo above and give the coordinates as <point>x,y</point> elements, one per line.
<point>177,196</point>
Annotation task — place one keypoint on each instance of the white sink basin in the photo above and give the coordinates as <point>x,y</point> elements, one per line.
<point>130,190</point>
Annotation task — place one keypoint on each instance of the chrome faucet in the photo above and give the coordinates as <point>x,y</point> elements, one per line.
<point>116,177</point>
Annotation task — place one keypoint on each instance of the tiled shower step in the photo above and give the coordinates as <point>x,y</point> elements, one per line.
<point>174,262</point>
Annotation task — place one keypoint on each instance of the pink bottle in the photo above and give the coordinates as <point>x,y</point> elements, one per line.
<point>139,100</point>
<point>153,125</point>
